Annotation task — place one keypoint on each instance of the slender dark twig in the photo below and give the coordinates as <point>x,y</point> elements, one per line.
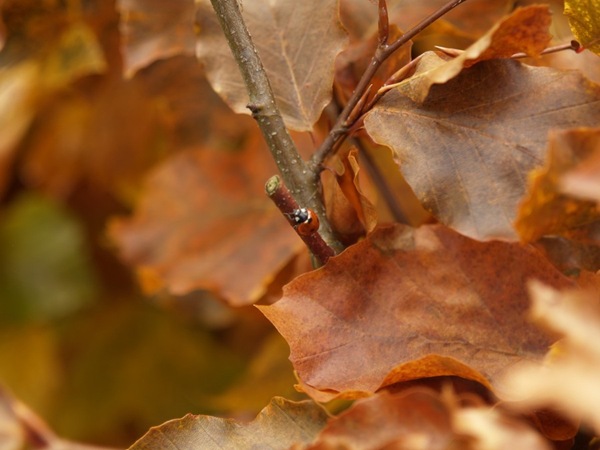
<point>294,170</point>
<point>383,52</point>
<point>288,206</point>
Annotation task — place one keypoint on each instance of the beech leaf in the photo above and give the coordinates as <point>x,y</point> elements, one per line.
<point>467,150</point>
<point>546,210</point>
<point>278,426</point>
<point>297,42</point>
<point>412,303</point>
<point>205,223</point>
<point>585,22</point>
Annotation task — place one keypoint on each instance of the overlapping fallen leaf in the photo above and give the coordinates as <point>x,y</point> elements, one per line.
<point>411,303</point>
<point>297,43</point>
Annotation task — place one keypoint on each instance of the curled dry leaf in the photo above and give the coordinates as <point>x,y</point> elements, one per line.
<point>546,210</point>
<point>297,42</point>
<point>278,426</point>
<point>467,150</point>
<point>205,223</point>
<point>569,379</point>
<point>154,30</point>
<point>412,303</point>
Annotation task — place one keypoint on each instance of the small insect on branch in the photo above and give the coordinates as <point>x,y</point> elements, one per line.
<point>304,220</point>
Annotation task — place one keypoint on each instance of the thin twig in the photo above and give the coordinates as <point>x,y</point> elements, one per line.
<point>294,170</point>
<point>383,52</point>
<point>288,206</point>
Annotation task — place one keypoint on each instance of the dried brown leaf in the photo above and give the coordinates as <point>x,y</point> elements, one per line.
<point>297,42</point>
<point>278,426</point>
<point>467,150</point>
<point>406,304</point>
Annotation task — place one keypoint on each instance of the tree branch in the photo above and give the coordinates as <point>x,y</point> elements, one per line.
<point>296,174</point>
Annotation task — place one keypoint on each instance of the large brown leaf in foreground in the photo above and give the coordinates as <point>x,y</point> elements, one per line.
<point>410,303</point>
<point>297,42</point>
<point>278,426</point>
<point>205,223</point>
<point>467,150</point>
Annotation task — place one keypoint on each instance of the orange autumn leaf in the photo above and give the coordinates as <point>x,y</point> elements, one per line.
<point>410,303</point>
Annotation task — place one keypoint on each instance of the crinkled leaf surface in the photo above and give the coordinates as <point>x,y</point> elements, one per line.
<point>467,149</point>
<point>546,210</point>
<point>297,42</point>
<point>585,22</point>
<point>278,426</point>
<point>155,29</point>
<point>205,223</point>
<point>411,303</point>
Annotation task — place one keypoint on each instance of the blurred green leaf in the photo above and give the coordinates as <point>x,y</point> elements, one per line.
<point>45,269</point>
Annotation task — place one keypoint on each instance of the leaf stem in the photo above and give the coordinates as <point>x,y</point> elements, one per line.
<point>383,52</point>
<point>294,170</point>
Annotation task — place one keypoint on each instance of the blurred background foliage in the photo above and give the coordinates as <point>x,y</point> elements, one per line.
<point>79,342</point>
